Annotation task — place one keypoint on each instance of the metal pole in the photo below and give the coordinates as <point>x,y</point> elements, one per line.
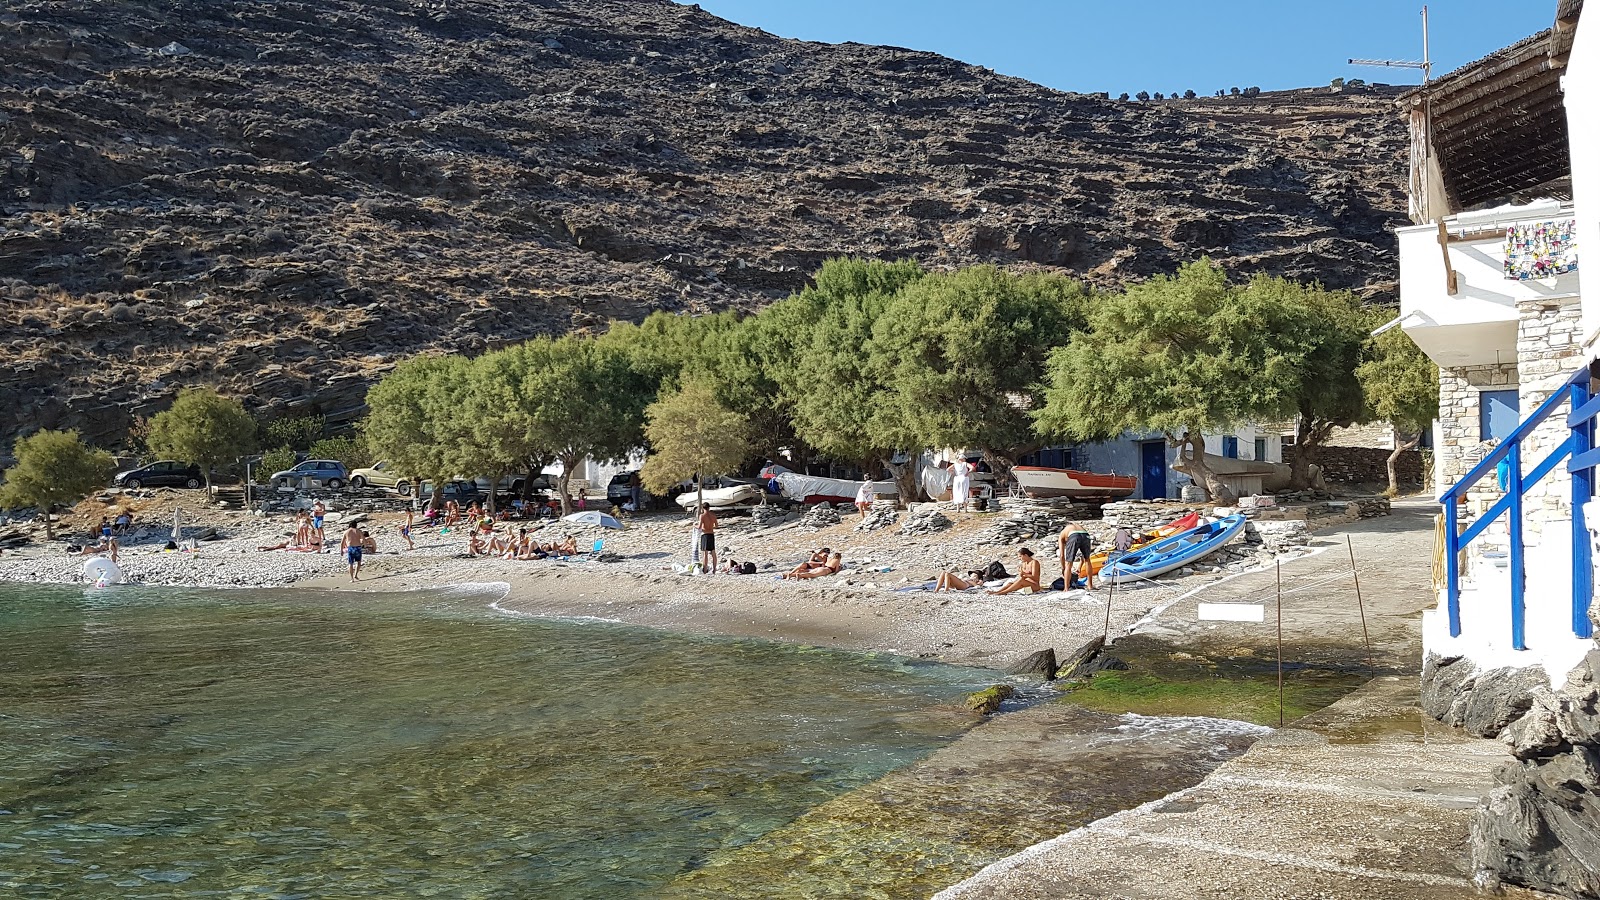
<point>1427,61</point>
<point>1106,634</point>
<point>1360,607</point>
<point>1279,567</point>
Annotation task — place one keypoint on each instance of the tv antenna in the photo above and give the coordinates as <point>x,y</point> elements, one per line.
<point>1426,65</point>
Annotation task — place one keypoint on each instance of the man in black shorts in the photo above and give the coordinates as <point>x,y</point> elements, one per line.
<point>1073,543</point>
<point>708,540</point>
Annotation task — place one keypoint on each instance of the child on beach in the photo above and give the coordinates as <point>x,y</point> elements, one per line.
<point>405,531</point>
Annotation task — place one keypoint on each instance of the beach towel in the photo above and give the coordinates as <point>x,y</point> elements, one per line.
<point>1540,250</point>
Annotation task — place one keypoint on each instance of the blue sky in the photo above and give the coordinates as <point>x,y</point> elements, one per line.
<point>1162,45</point>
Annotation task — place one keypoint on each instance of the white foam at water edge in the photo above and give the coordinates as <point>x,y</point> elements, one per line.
<point>476,588</point>
<point>1135,726</point>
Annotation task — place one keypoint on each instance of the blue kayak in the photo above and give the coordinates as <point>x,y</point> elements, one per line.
<point>1174,552</point>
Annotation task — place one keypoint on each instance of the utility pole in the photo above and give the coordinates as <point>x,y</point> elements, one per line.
<point>1427,61</point>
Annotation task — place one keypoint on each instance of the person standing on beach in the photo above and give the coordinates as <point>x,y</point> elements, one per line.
<point>708,539</point>
<point>864,499</point>
<point>1073,543</point>
<point>405,531</point>
<point>351,547</point>
<point>318,513</point>
<point>961,483</point>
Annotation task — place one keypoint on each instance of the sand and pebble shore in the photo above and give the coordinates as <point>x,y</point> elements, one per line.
<point>866,607</point>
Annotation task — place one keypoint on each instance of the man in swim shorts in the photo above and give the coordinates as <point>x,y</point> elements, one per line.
<point>1073,543</point>
<point>318,513</point>
<point>708,540</point>
<point>351,546</point>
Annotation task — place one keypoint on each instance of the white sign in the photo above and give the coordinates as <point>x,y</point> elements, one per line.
<point>1233,612</point>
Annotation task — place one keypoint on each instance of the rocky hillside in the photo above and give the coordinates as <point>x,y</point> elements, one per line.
<point>281,198</point>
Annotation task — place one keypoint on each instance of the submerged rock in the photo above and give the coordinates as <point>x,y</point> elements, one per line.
<point>989,699</point>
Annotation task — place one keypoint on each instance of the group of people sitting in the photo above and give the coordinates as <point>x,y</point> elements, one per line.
<point>820,563</point>
<point>453,515</point>
<point>485,541</point>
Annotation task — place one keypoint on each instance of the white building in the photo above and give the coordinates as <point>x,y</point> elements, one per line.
<point>1505,188</point>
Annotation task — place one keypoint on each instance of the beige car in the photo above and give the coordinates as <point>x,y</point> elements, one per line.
<point>379,475</point>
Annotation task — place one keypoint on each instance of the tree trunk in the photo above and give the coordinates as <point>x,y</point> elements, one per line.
<point>435,500</point>
<point>1394,458</point>
<point>1194,465</point>
<point>905,478</point>
<point>494,484</point>
<point>49,529</point>
<point>568,463</point>
<point>1300,459</point>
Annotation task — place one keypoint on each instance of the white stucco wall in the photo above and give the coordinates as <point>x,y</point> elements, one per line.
<point>1477,325</point>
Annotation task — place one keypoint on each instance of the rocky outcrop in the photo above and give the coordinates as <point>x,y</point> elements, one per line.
<point>1540,826</point>
<point>327,187</point>
<point>1484,703</point>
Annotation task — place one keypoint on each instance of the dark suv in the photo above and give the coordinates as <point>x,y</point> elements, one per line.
<point>161,474</point>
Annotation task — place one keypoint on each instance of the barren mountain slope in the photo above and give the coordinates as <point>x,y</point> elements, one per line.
<point>299,193</point>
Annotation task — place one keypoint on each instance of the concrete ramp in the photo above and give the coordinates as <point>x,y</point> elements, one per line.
<point>1366,799</point>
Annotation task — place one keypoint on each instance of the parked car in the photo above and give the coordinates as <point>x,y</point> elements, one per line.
<point>379,475</point>
<point>165,473</point>
<point>329,473</point>
<point>461,491</point>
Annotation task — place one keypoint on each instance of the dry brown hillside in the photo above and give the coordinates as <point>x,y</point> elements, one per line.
<point>281,198</point>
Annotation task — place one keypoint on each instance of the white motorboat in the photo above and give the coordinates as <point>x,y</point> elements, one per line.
<point>1039,481</point>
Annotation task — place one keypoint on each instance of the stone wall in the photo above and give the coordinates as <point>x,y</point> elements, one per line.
<point>1460,446</point>
<point>1549,347</point>
<point>1368,465</point>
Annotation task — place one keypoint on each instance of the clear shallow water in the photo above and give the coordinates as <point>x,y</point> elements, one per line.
<point>171,743</point>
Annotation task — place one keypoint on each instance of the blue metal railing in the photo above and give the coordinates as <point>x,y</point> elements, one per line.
<point>1581,456</point>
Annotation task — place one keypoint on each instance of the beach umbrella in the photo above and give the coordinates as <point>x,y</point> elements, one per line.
<point>593,517</point>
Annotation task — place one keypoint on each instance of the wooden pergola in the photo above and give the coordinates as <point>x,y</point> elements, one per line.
<point>1494,131</point>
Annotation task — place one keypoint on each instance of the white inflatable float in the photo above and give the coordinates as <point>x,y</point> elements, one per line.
<point>101,571</point>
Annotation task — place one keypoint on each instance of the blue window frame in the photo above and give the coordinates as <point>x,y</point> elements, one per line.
<point>1230,447</point>
<point>1497,414</point>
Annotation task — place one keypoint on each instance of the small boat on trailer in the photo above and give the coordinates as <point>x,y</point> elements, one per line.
<point>1174,552</point>
<point>1040,482</point>
<point>809,489</point>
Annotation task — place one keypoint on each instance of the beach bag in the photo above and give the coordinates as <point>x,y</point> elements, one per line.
<point>748,568</point>
<point>1059,584</point>
<point>995,571</point>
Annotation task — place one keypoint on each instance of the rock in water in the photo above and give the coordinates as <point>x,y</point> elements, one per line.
<point>1042,662</point>
<point>989,699</point>
<point>1080,658</point>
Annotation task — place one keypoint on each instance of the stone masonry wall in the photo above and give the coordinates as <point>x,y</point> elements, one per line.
<point>1549,347</point>
<point>1368,465</point>
<point>1460,447</point>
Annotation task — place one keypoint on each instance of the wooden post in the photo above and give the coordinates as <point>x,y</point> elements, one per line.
<point>1279,567</point>
<point>1450,284</point>
<point>1360,607</point>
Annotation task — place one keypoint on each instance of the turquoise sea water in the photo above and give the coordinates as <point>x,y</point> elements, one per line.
<point>174,743</point>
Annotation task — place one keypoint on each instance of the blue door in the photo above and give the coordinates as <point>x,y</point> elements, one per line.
<point>1230,447</point>
<point>1497,414</point>
<point>1152,470</point>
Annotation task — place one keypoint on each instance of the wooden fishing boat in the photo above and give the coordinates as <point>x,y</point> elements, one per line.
<point>1041,482</point>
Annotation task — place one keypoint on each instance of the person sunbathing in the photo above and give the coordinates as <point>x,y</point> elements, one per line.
<point>1027,575</point>
<point>831,567</point>
<point>569,546</point>
<point>452,513</point>
<point>475,544</point>
<point>950,581</point>
<point>369,544</point>
<point>817,560</point>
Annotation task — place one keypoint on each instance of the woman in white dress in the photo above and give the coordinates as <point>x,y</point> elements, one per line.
<point>961,483</point>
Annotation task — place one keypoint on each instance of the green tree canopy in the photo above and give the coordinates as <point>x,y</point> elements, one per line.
<point>412,420</point>
<point>691,434</point>
<point>203,428</point>
<point>957,357</point>
<point>1321,337</point>
<point>1181,355</point>
<point>569,398</point>
<point>53,467</point>
<point>1402,388</point>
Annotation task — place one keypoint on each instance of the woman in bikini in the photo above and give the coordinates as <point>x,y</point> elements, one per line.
<point>832,567</point>
<point>1027,575</point>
